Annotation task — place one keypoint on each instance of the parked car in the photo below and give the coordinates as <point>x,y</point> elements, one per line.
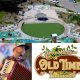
<point>54,1</point>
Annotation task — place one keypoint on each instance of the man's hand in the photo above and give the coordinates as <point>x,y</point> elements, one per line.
<point>5,75</point>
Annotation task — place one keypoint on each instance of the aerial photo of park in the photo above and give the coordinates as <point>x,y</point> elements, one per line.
<point>40,21</point>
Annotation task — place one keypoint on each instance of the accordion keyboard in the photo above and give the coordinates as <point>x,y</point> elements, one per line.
<point>7,67</point>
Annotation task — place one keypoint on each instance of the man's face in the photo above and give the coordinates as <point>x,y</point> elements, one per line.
<point>20,51</point>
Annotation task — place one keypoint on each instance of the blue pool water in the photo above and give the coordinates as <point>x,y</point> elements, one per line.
<point>15,35</point>
<point>67,40</point>
<point>8,34</point>
<point>28,41</point>
<point>43,19</point>
<point>25,41</point>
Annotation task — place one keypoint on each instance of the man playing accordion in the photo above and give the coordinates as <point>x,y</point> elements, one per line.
<point>15,65</point>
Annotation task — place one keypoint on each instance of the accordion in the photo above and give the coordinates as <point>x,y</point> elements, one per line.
<point>13,70</point>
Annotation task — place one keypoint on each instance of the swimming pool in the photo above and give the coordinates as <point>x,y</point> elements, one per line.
<point>67,40</point>
<point>29,41</point>
<point>8,34</point>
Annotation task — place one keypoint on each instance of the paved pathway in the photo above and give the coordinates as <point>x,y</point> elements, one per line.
<point>59,9</point>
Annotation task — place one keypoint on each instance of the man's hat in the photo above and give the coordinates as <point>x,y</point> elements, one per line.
<point>25,45</point>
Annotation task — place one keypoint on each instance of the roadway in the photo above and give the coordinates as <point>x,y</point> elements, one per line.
<point>70,5</point>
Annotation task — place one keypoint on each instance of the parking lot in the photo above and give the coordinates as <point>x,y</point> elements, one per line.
<point>71,5</point>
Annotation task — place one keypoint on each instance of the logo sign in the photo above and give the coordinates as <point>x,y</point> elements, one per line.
<point>58,62</point>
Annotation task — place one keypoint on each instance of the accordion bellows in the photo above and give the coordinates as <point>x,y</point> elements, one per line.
<point>16,71</point>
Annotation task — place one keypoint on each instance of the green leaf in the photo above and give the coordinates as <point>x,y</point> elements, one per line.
<point>47,49</point>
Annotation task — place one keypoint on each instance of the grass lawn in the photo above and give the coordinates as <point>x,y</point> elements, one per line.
<point>78,0</point>
<point>42,29</point>
<point>2,14</point>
